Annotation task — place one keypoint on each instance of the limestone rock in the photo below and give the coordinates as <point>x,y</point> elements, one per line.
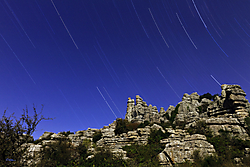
<point>226,112</point>
<point>46,136</point>
<point>180,150</point>
<point>140,111</point>
<point>169,110</point>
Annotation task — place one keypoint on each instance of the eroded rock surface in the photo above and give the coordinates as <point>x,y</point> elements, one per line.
<point>226,112</point>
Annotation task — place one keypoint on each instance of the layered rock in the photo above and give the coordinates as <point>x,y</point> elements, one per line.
<point>187,110</point>
<point>226,112</point>
<point>232,101</point>
<point>180,147</point>
<point>140,111</point>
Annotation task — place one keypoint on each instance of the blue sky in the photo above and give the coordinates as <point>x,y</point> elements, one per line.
<point>82,59</point>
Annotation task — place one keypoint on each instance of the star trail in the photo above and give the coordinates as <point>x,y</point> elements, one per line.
<point>83,59</point>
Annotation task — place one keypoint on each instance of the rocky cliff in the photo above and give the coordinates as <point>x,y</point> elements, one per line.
<point>183,123</point>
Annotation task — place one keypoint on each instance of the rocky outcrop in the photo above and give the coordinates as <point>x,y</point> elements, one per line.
<point>180,147</point>
<point>226,112</point>
<point>232,102</point>
<point>140,111</point>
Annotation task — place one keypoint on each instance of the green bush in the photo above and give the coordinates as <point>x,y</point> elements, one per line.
<point>247,121</point>
<point>104,158</point>
<point>173,114</point>
<point>144,124</point>
<point>156,135</point>
<point>200,128</point>
<point>15,132</point>
<point>132,126</point>
<point>146,155</point>
<point>203,108</point>
<point>97,136</point>
<point>67,133</point>
<point>166,115</point>
<point>208,96</point>
<point>37,141</point>
<point>228,147</point>
<point>59,153</point>
<point>121,126</point>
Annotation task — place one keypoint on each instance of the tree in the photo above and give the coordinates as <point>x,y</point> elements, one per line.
<point>15,132</point>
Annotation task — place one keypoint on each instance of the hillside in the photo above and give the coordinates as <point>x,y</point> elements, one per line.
<point>201,129</point>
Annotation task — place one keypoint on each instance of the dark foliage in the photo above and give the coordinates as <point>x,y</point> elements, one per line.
<point>67,133</point>
<point>203,108</point>
<point>156,136</point>
<point>228,147</point>
<point>97,136</point>
<point>37,141</point>
<point>174,113</point>
<point>144,124</point>
<point>132,126</point>
<point>208,96</point>
<point>59,153</point>
<point>15,132</point>
<point>104,158</point>
<point>123,126</point>
<point>146,155</point>
<point>247,121</point>
<point>166,115</point>
<point>200,128</point>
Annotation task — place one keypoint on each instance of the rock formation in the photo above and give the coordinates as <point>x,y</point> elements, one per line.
<point>226,112</point>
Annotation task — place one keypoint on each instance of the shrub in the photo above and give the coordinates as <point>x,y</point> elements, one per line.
<point>59,153</point>
<point>14,132</point>
<point>37,141</point>
<point>203,108</point>
<point>143,155</point>
<point>208,96</point>
<point>144,124</point>
<point>104,158</point>
<point>200,128</point>
<point>166,115</point>
<point>132,126</point>
<point>174,113</point>
<point>156,136</point>
<point>67,133</point>
<point>247,121</point>
<point>121,126</point>
<point>228,147</point>
<point>146,155</point>
<point>97,136</point>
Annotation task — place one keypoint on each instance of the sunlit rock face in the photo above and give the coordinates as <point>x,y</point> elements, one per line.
<point>180,146</point>
<point>139,111</point>
<point>225,112</point>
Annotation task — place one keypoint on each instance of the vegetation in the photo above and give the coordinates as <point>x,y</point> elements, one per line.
<point>97,136</point>
<point>247,121</point>
<point>58,153</point>
<point>123,126</point>
<point>15,132</point>
<point>208,96</point>
<point>67,133</point>
<point>104,158</point>
<point>226,145</point>
<point>146,155</point>
<point>173,114</point>
<point>200,128</point>
<point>144,124</point>
<point>203,108</point>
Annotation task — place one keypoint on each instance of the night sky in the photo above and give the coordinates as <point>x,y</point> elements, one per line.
<point>82,59</point>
